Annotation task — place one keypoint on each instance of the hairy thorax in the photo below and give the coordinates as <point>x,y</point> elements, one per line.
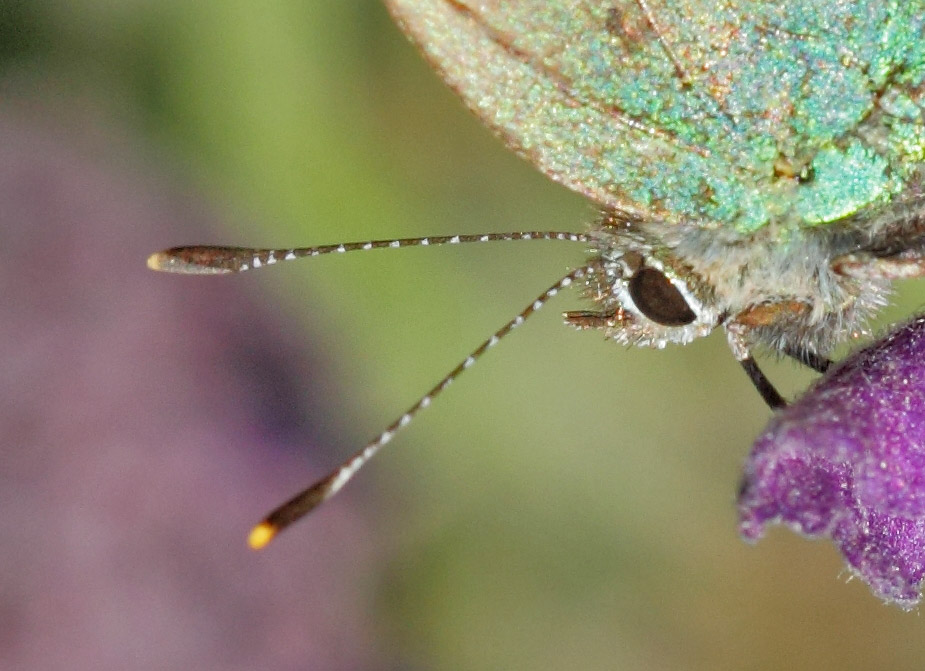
<point>658,284</point>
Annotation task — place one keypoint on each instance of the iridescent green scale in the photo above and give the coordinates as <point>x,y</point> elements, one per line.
<point>705,113</point>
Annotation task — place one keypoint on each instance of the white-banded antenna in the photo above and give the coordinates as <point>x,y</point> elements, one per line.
<point>210,260</point>
<point>213,260</point>
<point>309,499</point>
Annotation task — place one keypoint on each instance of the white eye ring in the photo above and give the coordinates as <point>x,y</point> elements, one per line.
<point>660,307</point>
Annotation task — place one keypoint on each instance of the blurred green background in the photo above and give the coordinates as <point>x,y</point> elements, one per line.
<point>569,503</point>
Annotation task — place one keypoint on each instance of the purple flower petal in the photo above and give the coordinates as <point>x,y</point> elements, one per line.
<point>847,461</point>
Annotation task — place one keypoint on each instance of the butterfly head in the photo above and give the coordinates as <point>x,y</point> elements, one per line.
<point>787,291</point>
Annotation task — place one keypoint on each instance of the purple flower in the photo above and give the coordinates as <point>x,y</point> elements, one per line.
<point>847,461</point>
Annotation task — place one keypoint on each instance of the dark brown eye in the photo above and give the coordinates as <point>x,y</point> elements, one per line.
<point>658,299</point>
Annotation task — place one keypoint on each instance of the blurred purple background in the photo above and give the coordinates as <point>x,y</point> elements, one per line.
<point>147,422</point>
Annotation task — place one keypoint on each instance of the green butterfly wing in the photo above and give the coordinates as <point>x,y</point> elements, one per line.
<point>703,112</point>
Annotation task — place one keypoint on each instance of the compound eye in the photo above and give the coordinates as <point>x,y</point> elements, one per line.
<point>658,299</point>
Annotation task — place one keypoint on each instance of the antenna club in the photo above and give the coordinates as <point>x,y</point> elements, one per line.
<point>193,260</point>
<point>261,535</point>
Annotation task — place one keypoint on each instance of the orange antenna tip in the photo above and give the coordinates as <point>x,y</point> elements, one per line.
<point>261,535</point>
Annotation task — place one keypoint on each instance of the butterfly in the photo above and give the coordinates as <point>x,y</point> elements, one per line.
<point>757,167</point>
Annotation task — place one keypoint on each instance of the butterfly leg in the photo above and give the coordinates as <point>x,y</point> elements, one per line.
<point>810,359</point>
<point>735,336</point>
<point>869,266</point>
<point>769,394</point>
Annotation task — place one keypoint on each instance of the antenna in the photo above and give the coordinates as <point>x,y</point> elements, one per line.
<point>211,260</point>
<point>309,499</point>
